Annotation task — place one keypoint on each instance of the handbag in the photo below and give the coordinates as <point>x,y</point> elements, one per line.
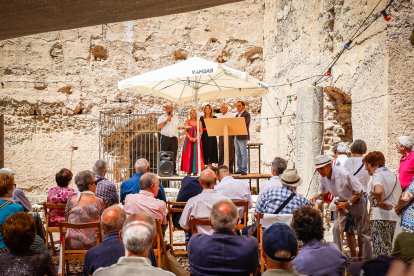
<point>253,229</point>
<point>371,196</point>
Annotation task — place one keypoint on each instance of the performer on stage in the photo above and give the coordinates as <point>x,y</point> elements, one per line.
<point>240,141</point>
<point>225,114</point>
<point>209,143</point>
<point>190,153</point>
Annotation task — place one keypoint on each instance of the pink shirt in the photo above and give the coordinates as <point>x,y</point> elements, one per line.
<point>144,201</point>
<point>406,170</point>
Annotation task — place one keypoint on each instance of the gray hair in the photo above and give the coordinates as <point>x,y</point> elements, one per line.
<point>115,220</point>
<point>224,215</point>
<point>147,180</point>
<point>207,177</point>
<point>138,232</point>
<point>100,167</point>
<point>225,105</point>
<point>279,165</point>
<point>83,179</point>
<point>341,148</point>
<point>406,141</point>
<point>141,166</point>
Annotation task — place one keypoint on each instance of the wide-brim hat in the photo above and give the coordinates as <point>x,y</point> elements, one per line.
<point>321,161</point>
<point>290,177</point>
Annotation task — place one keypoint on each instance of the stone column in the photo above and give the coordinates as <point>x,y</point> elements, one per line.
<point>309,137</point>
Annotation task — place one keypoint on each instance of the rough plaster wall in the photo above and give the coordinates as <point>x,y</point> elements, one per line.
<point>43,130</point>
<point>376,72</point>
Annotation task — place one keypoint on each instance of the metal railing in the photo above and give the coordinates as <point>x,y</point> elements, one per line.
<point>126,136</point>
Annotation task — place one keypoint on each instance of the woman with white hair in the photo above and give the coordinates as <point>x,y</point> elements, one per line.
<point>405,146</point>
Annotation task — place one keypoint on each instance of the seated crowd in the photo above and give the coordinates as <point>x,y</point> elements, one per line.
<point>216,248</point>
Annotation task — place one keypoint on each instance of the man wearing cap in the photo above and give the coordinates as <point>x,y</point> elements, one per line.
<point>279,248</point>
<point>347,189</point>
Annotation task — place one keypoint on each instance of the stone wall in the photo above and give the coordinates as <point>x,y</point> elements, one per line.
<point>49,126</point>
<point>370,93</point>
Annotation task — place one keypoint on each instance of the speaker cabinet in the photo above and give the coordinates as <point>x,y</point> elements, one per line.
<point>165,163</point>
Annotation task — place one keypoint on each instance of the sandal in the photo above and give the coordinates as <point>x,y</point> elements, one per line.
<point>354,259</point>
<point>361,259</point>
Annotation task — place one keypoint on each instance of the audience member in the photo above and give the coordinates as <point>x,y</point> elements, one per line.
<point>279,248</point>
<point>131,186</point>
<point>279,165</point>
<point>190,187</point>
<point>60,195</point>
<point>235,189</point>
<point>110,249</point>
<point>199,206</point>
<point>223,253</point>
<point>312,258</point>
<point>138,235</point>
<point>343,185</point>
<point>105,189</point>
<point>375,267</point>
<point>340,152</point>
<point>20,198</point>
<point>19,232</point>
<point>404,247</point>
<point>405,146</point>
<point>406,208</point>
<point>355,166</point>
<point>144,201</point>
<point>385,193</point>
<point>84,208</point>
<point>8,207</point>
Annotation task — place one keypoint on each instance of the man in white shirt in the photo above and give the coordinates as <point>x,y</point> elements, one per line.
<point>278,167</point>
<point>199,206</point>
<point>235,189</point>
<point>168,126</point>
<point>342,184</point>
<point>340,152</point>
<point>225,114</point>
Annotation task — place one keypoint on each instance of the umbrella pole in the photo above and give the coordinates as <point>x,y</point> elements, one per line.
<point>198,130</point>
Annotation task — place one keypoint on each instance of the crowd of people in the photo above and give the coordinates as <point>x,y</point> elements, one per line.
<point>384,231</point>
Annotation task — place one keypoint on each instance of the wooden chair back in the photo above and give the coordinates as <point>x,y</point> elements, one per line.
<point>259,237</point>
<point>245,205</point>
<point>69,254</point>
<point>159,248</point>
<point>172,208</point>
<point>47,207</point>
<point>106,204</point>
<point>194,222</point>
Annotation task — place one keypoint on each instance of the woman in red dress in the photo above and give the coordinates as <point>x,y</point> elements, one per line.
<point>190,154</point>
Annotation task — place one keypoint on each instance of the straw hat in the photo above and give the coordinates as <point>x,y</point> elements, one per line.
<point>290,177</point>
<point>321,161</point>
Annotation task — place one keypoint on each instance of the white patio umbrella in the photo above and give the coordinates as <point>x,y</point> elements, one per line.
<point>195,80</point>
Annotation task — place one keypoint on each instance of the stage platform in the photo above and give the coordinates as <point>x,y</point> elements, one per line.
<point>249,176</point>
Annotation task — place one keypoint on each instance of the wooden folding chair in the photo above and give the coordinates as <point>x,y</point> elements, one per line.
<point>194,222</point>
<point>171,206</point>
<point>159,248</point>
<point>69,254</point>
<point>49,230</point>
<point>259,237</point>
<point>245,204</point>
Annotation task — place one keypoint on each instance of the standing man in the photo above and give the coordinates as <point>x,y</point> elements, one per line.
<point>225,114</point>
<point>168,125</point>
<point>342,184</point>
<point>240,141</point>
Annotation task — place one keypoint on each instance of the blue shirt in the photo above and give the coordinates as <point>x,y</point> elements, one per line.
<point>407,216</point>
<point>272,199</point>
<point>320,258</point>
<point>6,211</point>
<point>108,253</point>
<point>131,186</point>
<point>190,187</point>
<point>223,253</point>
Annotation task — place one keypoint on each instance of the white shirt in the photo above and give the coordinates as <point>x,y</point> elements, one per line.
<point>384,177</point>
<point>199,207</point>
<point>342,184</point>
<point>236,190</point>
<point>362,175</point>
<point>227,115</point>
<point>239,114</point>
<point>272,183</point>
<point>340,160</point>
<point>171,128</point>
